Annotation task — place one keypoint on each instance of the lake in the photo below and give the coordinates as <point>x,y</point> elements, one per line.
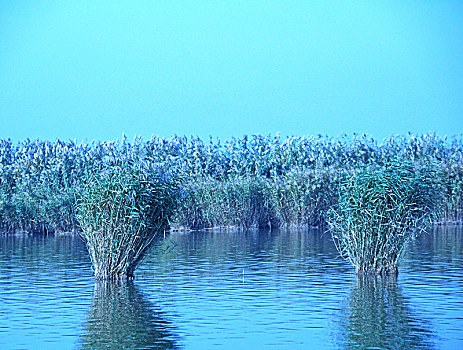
<point>283,289</point>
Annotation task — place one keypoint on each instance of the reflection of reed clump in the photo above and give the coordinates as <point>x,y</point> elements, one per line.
<point>378,317</point>
<point>120,317</point>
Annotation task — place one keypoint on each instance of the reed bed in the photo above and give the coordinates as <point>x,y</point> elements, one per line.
<point>240,201</point>
<point>379,210</point>
<point>248,181</point>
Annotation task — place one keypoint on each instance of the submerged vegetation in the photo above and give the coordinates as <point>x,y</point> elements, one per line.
<point>248,181</point>
<point>379,209</point>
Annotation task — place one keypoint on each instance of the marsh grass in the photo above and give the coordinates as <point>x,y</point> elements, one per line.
<point>301,197</point>
<point>120,212</point>
<point>379,210</point>
<point>238,202</point>
<point>275,181</point>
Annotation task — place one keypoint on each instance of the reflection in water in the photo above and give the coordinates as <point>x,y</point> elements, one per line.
<point>285,289</point>
<point>120,317</point>
<point>377,316</point>
<point>236,248</point>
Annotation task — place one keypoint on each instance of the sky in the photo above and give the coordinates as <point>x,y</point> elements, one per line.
<point>85,70</point>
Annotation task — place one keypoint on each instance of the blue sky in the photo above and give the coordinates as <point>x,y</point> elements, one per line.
<point>94,69</point>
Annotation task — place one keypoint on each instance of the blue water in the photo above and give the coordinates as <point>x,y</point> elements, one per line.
<point>229,289</point>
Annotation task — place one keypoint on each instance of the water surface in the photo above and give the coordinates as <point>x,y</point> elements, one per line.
<point>227,289</point>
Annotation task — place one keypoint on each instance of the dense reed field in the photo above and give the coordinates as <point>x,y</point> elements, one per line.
<point>247,181</point>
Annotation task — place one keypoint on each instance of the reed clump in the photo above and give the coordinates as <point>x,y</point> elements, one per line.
<point>379,209</point>
<point>121,210</point>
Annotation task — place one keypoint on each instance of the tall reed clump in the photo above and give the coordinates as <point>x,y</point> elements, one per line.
<point>121,210</point>
<point>379,210</point>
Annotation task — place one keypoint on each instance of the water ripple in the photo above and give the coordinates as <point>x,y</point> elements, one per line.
<point>278,290</point>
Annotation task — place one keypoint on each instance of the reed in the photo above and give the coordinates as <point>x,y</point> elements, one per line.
<point>287,181</point>
<point>379,210</point>
<point>240,201</point>
<point>302,196</point>
<point>121,211</point>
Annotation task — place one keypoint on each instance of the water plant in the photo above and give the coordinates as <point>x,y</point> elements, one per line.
<point>379,209</point>
<point>121,211</point>
<point>240,201</point>
<point>290,181</point>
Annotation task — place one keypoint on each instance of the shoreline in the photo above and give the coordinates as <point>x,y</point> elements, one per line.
<point>216,228</point>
